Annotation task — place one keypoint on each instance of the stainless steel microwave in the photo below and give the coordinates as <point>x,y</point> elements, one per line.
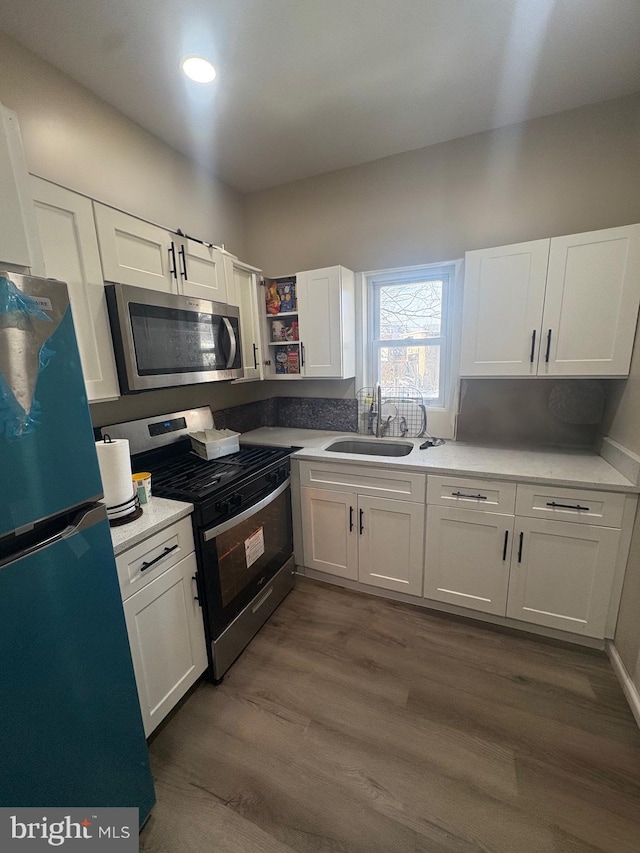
<point>161,339</point>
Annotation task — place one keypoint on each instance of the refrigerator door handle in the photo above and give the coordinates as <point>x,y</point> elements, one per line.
<point>90,516</point>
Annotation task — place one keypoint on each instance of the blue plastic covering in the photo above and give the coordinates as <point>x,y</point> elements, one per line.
<point>18,311</point>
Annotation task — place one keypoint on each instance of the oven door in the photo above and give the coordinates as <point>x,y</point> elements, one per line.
<point>241,555</point>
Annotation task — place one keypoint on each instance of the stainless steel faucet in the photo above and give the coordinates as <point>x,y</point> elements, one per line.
<point>378,396</point>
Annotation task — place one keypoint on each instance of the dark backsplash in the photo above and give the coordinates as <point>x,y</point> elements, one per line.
<point>248,416</point>
<point>318,413</point>
<point>298,412</point>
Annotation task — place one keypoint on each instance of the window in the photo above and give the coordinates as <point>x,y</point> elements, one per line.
<point>409,331</point>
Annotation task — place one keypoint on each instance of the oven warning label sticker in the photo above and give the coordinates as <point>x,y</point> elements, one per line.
<point>254,546</point>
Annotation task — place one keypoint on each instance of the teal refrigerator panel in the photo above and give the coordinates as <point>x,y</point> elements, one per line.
<point>48,462</point>
<point>71,732</point>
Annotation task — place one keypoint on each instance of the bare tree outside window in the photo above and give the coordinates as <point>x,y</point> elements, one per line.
<point>409,335</point>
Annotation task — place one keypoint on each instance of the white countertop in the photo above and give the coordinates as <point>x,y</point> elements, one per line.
<point>156,515</point>
<point>578,468</point>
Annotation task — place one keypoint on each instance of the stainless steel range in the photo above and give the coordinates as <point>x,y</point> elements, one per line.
<point>241,523</point>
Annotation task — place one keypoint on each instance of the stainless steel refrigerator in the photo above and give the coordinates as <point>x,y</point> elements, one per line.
<point>71,731</point>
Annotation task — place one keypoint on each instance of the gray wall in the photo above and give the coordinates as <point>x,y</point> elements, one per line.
<point>570,172</point>
<point>75,139</point>
<point>622,423</point>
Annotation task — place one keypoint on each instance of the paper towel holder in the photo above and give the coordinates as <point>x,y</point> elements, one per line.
<point>133,501</point>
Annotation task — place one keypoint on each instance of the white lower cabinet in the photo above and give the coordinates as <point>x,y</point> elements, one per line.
<point>561,575</point>
<point>164,620</point>
<point>468,558</point>
<point>545,555</point>
<point>330,540</point>
<point>373,540</point>
<point>550,561</point>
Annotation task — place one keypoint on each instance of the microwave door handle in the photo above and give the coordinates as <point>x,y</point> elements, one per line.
<point>233,342</point>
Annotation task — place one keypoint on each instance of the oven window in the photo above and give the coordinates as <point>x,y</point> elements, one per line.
<point>168,340</point>
<point>254,549</point>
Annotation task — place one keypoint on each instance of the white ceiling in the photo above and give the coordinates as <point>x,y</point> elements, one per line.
<point>308,86</point>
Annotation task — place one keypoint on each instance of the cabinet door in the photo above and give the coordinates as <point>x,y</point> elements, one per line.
<point>562,575</point>
<point>134,251</point>
<point>320,319</point>
<point>329,532</point>
<point>70,249</point>
<point>201,270</point>
<point>467,560</point>
<point>19,245</point>
<point>242,290</point>
<point>391,544</point>
<point>503,299</point>
<point>166,634</point>
<point>591,303</point>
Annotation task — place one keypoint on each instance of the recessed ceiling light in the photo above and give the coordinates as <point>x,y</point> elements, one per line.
<point>198,69</point>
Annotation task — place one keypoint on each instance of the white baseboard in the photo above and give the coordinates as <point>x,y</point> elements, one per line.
<point>629,689</point>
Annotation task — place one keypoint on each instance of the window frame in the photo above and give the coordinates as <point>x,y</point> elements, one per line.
<point>442,412</point>
<point>375,343</point>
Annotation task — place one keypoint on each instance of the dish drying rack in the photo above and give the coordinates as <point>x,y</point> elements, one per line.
<point>402,412</point>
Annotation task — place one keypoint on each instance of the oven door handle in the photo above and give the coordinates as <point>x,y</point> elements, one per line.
<point>233,344</point>
<point>212,532</point>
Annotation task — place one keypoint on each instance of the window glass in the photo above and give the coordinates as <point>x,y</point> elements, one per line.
<point>410,310</point>
<point>408,344</point>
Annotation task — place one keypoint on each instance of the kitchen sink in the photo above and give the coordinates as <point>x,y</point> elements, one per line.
<point>371,447</point>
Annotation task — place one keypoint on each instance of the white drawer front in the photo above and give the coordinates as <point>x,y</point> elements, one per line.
<point>469,493</point>
<point>148,559</point>
<point>378,482</point>
<point>565,504</point>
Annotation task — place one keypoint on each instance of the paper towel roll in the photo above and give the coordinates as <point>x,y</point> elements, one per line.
<point>115,470</point>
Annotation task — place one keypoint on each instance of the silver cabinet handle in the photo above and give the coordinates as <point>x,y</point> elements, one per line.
<point>233,343</point>
<point>259,604</point>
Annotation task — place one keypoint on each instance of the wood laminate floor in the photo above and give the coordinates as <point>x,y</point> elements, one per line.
<point>352,724</point>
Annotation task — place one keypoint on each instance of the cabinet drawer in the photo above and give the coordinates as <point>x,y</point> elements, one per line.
<point>563,504</point>
<point>470,493</point>
<point>148,559</point>
<point>377,482</point>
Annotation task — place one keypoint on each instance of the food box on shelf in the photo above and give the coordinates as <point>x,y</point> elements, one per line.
<point>212,443</point>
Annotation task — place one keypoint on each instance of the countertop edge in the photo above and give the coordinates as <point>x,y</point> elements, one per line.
<point>166,513</point>
<point>316,440</point>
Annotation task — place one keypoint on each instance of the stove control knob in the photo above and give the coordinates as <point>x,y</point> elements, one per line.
<point>236,500</point>
<point>223,507</point>
<point>273,477</point>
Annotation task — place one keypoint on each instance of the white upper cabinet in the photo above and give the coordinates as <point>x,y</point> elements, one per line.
<point>561,307</point>
<point>591,303</point>
<point>200,270</point>
<point>19,245</point>
<point>503,299</point>
<point>70,250</point>
<point>134,251</point>
<point>313,335</point>
<point>137,252</point>
<point>326,312</point>
<point>242,291</point>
